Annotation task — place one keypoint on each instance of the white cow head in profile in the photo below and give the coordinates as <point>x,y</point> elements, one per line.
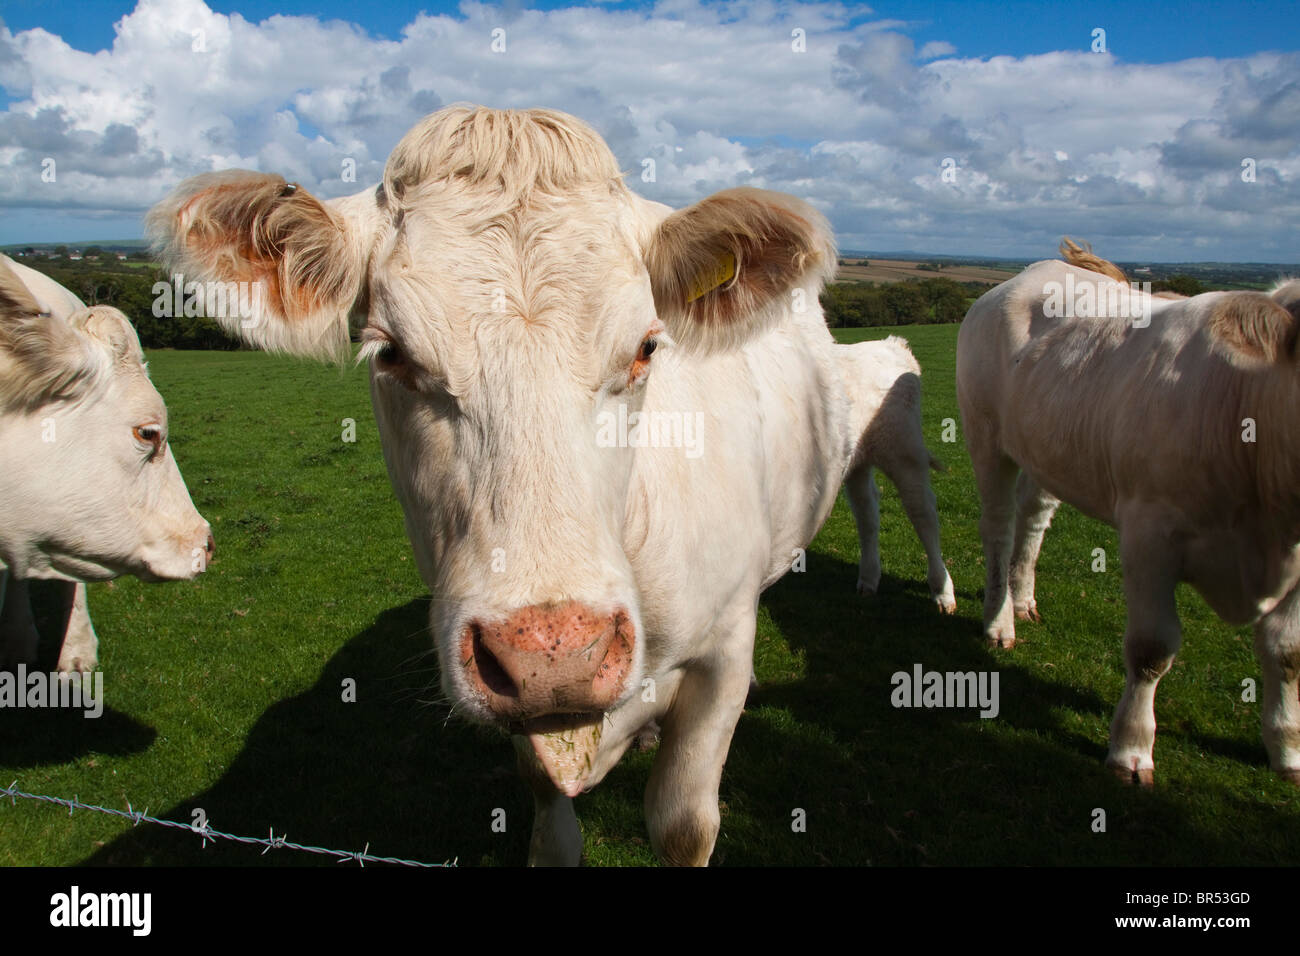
<point>511,289</point>
<point>88,488</point>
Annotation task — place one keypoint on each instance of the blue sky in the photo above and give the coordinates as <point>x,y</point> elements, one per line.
<point>1153,32</point>
<point>1139,148</point>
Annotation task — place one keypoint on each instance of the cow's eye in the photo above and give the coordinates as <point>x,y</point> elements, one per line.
<point>641,364</point>
<point>149,435</point>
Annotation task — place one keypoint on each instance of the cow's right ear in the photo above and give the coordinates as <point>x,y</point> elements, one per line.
<point>304,260</point>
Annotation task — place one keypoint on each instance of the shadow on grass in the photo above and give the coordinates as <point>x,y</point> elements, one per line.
<point>51,736</point>
<point>389,770</point>
<point>903,786</point>
<point>873,784</point>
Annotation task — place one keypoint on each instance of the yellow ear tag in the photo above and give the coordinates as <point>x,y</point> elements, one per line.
<point>708,281</point>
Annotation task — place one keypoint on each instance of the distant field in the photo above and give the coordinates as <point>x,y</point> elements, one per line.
<point>897,270</point>
<point>225,693</point>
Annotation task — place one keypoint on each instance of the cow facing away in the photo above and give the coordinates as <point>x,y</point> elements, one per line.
<point>886,380</point>
<point>1172,420</point>
<point>88,486</point>
<point>610,426</point>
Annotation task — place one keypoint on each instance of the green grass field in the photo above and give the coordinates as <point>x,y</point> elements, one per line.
<point>226,693</point>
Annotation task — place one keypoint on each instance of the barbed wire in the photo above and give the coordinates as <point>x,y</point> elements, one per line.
<point>206,831</point>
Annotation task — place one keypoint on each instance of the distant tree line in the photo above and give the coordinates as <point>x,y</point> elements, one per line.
<point>129,285</point>
<point>131,289</point>
<point>1183,285</point>
<point>913,302</point>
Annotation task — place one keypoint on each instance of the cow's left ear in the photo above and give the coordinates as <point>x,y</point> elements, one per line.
<point>41,358</point>
<point>304,260</point>
<point>735,263</point>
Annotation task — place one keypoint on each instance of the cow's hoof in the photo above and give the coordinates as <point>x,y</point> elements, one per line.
<point>1292,775</point>
<point>946,605</point>
<point>77,665</point>
<point>1029,613</point>
<point>865,589</point>
<point>1144,777</point>
<point>1004,641</point>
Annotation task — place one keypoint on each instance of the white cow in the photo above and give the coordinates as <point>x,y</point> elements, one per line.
<point>1174,421</point>
<point>610,426</point>
<point>88,486</point>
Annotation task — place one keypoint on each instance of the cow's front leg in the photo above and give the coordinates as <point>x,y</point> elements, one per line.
<point>557,839</point>
<point>80,649</point>
<point>1034,511</point>
<point>681,800</point>
<point>1277,645</point>
<point>18,637</point>
<point>1151,640</point>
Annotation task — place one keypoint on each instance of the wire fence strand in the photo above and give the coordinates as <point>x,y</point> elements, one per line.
<point>271,842</point>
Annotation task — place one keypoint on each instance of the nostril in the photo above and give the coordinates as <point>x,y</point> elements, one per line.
<point>490,671</point>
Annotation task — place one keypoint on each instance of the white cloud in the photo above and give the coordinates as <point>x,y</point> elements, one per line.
<point>1143,159</point>
<point>935,49</point>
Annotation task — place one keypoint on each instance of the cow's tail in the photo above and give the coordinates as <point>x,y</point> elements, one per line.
<point>1083,257</point>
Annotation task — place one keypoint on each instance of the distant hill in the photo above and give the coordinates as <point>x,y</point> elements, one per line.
<point>896,267</point>
<point>878,269</point>
<point>856,266</point>
<point>116,245</point>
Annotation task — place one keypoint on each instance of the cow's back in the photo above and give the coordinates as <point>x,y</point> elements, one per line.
<point>1103,410</point>
<point>1096,408</point>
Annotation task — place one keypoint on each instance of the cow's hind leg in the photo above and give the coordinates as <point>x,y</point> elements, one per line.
<point>1277,645</point>
<point>80,645</point>
<point>908,467</point>
<point>995,477</point>
<point>18,636</point>
<point>681,800</point>
<point>557,839</point>
<point>1151,640</point>
<point>864,502</point>
<point>1034,511</point>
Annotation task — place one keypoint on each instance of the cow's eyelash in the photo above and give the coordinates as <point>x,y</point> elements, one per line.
<point>379,346</point>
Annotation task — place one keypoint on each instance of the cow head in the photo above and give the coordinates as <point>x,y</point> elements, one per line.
<point>510,291</point>
<point>89,489</point>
